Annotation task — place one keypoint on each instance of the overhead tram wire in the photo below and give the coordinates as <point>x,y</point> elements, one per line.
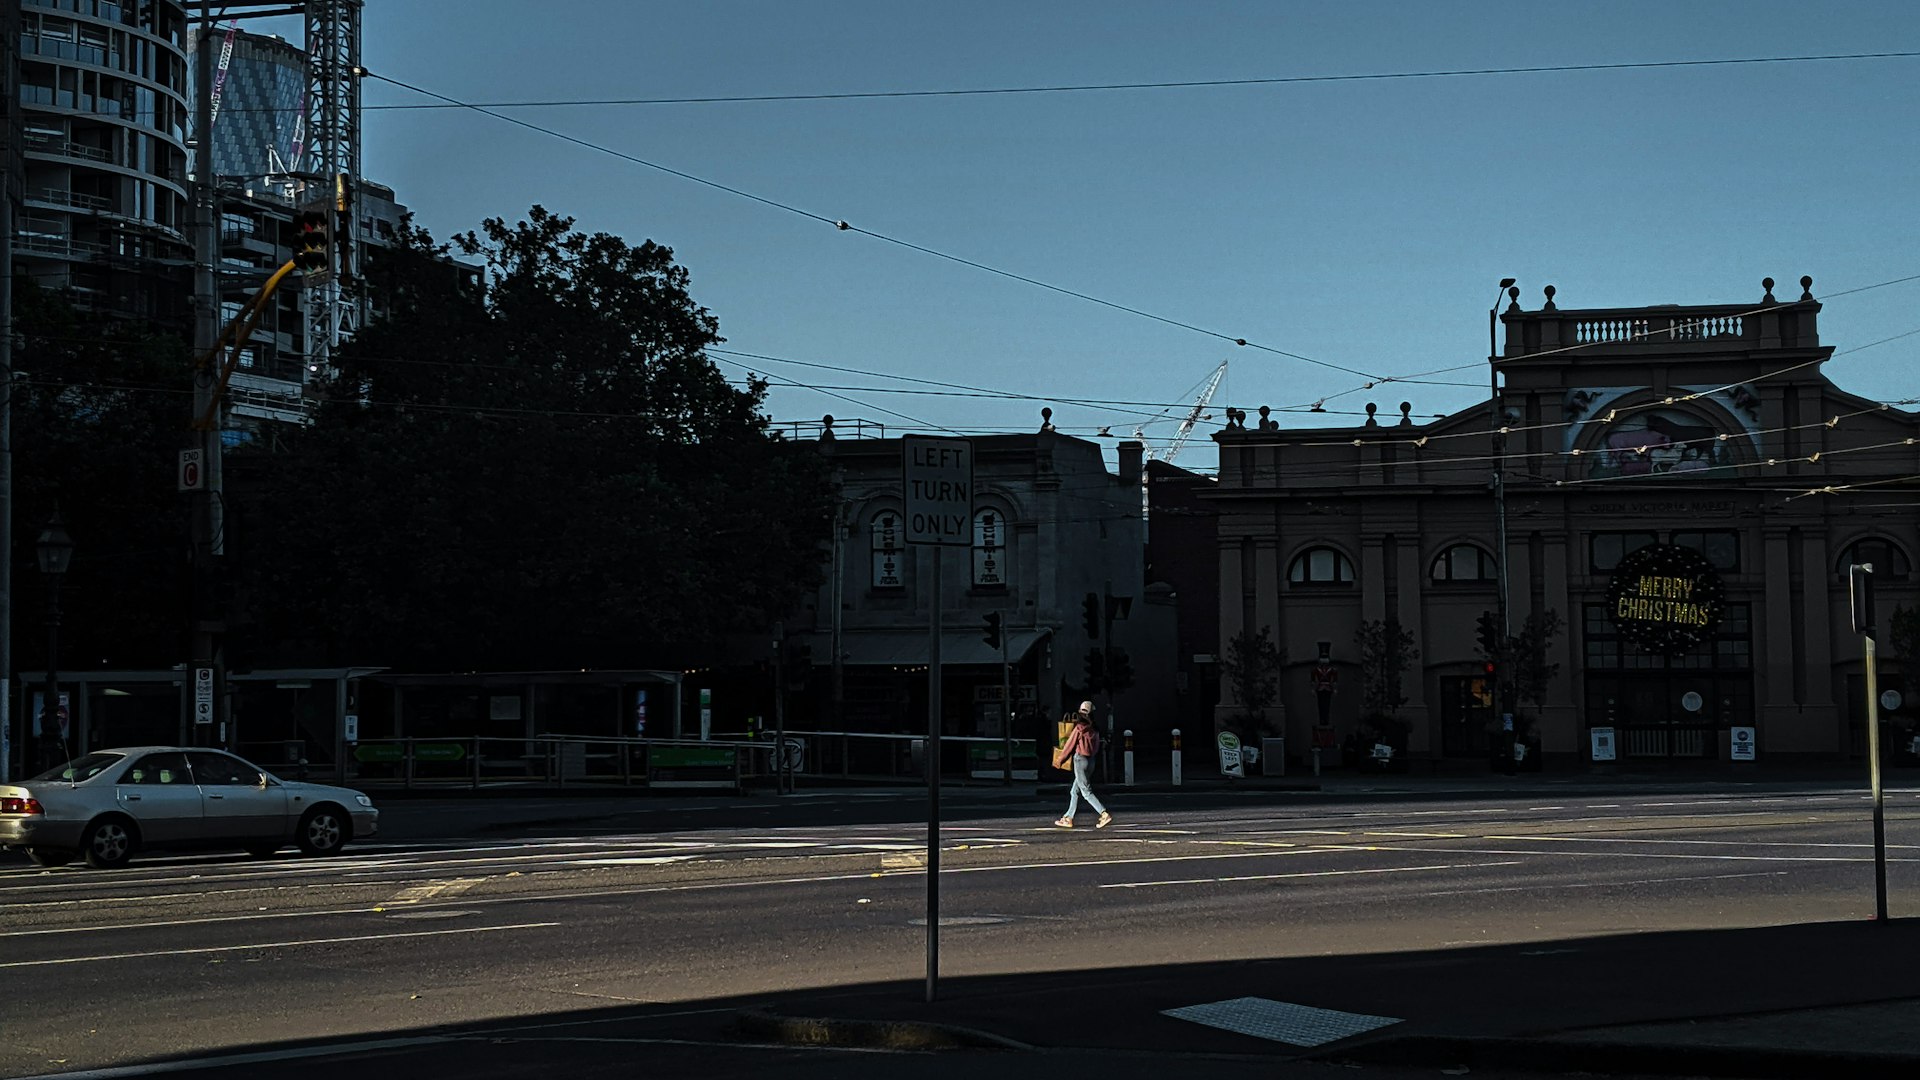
<point>1186,84</point>
<point>842,225</point>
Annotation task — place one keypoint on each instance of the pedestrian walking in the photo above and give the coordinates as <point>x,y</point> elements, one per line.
<point>1082,743</point>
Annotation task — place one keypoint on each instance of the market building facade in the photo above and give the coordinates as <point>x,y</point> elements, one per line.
<point>1683,490</point>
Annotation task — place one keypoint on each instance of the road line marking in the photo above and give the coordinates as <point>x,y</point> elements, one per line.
<point>271,945</point>
<point>1556,886</point>
<point>1305,874</point>
<point>1714,843</point>
<point>1422,835</point>
<point>434,889</point>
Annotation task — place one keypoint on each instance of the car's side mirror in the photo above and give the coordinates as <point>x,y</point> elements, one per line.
<point>263,782</point>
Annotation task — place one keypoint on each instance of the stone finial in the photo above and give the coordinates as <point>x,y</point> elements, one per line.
<point>1806,287</point>
<point>1371,409</point>
<point>1267,423</point>
<point>826,428</point>
<point>1513,298</point>
<point>1406,414</point>
<point>1046,420</point>
<point>1549,290</point>
<point>1767,284</point>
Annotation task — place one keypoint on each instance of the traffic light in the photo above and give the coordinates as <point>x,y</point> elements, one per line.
<point>312,241</point>
<point>1119,670</point>
<point>991,625</point>
<point>1489,636</point>
<point>1096,671</point>
<point>1090,617</point>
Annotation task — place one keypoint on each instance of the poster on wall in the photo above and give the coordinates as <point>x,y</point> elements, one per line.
<point>41,726</point>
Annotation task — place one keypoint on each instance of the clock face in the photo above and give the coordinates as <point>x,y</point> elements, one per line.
<point>1665,599</point>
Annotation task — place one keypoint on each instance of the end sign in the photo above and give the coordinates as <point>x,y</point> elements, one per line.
<point>938,490</point>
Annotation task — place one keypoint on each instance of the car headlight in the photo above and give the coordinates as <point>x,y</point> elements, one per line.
<point>363,800</point>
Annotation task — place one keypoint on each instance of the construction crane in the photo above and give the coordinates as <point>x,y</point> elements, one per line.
<point>1195,414</point>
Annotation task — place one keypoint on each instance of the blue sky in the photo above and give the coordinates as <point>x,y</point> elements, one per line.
<point>1361,223</point>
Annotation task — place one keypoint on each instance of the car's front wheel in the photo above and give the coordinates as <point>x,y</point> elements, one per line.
<point>108,843</point>
<point>51,856</point>
<point>324,831</point>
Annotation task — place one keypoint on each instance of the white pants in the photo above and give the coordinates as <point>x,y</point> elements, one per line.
<point>1081,763</point>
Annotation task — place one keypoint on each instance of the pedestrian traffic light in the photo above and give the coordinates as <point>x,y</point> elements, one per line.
<point>1090,618</point>
<point>1489,635</point>
<point>312,241</point>
<point>1119,670</point>
<point>991,625</point>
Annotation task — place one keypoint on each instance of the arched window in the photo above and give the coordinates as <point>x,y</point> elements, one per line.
<point>1464,562</point>
<point>989,550</point>
<point>888,571</point>
<point>1889,562</point>
<point>1320,566</point>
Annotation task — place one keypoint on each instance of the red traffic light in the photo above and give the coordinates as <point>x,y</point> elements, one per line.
<point>1489,667</point>
<point>311,241</point>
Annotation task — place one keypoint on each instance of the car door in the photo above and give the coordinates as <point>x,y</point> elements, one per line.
<point>236,806</point>
<point>159,794</point>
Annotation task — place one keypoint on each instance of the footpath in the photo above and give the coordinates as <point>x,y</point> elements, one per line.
<point>1806,1000</point>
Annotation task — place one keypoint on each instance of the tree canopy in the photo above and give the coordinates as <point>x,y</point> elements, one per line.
<point>547,473</point>
<point>101,409</point>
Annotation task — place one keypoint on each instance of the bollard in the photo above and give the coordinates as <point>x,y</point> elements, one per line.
<point>1127,760</point>
<point>1316,761</point>
<point>1176,757</point>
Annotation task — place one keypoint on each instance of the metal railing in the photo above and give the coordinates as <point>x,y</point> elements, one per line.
<point>729,761</point>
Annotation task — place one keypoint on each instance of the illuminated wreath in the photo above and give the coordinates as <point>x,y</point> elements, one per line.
<point>1665,598</point>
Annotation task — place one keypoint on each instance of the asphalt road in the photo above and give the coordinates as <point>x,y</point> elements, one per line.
<point>664,921</point>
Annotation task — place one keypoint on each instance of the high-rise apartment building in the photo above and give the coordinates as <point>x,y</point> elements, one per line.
<point>102,174</point>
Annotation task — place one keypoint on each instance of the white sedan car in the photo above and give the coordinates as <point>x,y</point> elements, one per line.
<point>105,805</point>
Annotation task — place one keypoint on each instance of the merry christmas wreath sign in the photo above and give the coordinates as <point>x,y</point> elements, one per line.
<point>1665,598</point>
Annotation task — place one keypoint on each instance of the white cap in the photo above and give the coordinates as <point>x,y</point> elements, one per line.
<point>1086,706</point>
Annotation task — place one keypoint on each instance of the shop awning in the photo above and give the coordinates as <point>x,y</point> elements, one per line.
<point>910,649</point>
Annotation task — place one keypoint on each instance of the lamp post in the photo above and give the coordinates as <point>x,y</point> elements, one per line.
<point>1497,416</point>
<point>55,550</point>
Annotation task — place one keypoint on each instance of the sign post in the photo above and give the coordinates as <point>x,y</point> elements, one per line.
<point>1860,597</point>
<point>937,492</point>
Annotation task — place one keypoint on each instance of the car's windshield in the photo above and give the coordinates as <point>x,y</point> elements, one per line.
<point>85,767</point>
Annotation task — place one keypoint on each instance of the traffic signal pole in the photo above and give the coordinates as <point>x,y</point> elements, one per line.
<point>208,517</point>
<point>1496,416</point>
<point>1006,708</point>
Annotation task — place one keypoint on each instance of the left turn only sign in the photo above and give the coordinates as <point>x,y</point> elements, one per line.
<point>937,488</point>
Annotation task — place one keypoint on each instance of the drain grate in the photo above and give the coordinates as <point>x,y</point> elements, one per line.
<point>1281,1021</point>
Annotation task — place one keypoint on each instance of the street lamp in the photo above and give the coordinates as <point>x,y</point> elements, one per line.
<point>1497,417</point>
<point>55,550</point>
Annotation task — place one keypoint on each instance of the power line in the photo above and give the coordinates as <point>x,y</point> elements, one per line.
<point>842,225</point>
<point>1185,84</point>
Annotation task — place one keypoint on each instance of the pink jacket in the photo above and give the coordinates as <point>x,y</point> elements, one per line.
<point>1083,741</point>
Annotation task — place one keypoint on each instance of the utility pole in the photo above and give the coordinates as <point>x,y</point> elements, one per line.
<point>208,517</point>
<point>6,457</point>
<point>1498,426</point>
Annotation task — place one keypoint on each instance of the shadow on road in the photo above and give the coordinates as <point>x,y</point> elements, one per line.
<point>1521,1006</point>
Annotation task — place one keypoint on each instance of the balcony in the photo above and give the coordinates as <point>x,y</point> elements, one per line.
<point>41,144</point>
<point>1671,330</point>
<point>73,199</point>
